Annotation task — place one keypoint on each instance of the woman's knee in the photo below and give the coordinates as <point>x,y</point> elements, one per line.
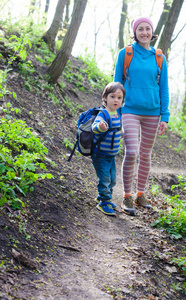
<point>131,155</point>
<point>145,155</point>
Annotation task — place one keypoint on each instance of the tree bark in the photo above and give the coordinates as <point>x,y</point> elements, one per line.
<point>165,39</point>
<point>162,20</point>
<point>59,62</point>
<point>50,35</point>
<point>122,24</point>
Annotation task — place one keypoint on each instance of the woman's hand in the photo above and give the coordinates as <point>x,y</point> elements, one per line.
<point>162,127</point>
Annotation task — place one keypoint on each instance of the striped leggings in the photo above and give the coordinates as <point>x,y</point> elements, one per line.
<point>147,127</point>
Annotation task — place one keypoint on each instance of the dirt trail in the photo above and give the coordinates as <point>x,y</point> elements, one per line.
<point>112,258</point>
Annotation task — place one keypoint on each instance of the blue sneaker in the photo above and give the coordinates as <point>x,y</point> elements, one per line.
<point>106,208</point>
<point>113,205</point>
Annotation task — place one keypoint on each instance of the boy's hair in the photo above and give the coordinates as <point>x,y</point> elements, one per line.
<point>111,88</point>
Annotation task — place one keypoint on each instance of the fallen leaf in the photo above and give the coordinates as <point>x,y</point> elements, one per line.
<point>171,269</point>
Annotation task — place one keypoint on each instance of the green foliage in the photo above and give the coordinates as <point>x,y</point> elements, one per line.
<point>73,107</point>
<point>174,219</point>
<point>181,262</point>
<point>21,157</point>
<point>181,183</point>
<point>96,77</point>
<point>68,144</point>
<point>26,68</point>
<point>177,123</point>
<point>3,83</point>
<point>155,189</point>
<point>19,46</point>
<point>44,54</point>
<point>121,148</point>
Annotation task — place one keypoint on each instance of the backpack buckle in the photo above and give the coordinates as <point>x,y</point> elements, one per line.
<point>158,78</point>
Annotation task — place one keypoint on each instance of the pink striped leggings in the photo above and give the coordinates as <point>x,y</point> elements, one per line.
<point>147,127</point>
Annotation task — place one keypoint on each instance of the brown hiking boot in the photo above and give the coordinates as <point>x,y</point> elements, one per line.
<point>127,206</point>
<point>141,201</point>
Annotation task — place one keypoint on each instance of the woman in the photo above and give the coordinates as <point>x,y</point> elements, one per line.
<point>146,106</point>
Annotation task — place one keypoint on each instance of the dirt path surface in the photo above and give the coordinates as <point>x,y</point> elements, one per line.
<point>74,251</point>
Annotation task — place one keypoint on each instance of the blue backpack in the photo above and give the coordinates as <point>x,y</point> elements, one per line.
<point>85,135</point>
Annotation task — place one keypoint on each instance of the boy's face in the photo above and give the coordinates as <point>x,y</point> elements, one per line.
<point>114,100</point>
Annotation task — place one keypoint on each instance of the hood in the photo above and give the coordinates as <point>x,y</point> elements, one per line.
<point>142,51</point>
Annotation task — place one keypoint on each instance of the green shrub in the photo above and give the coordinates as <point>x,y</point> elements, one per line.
<point>21,159</point>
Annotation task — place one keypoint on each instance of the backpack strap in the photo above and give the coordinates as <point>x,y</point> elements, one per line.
<point>159,61</point>
<point>107,117</point>
<point>98,142</point>
<point>73,150</point>
<point>159,58</point>
<point>128,58</point>
<point>127,61</point>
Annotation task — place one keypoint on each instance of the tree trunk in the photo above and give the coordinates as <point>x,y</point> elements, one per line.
<point>50,35</point>
<point>47,6</point>
<point>162,20</point>
<point>66,21</point>
<point>165,39</point>
<point>122,24</point>
<point>62,56</point>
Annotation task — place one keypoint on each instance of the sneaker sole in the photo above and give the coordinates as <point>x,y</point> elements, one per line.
<point>109,214</point>
<point>129,213</point>
<point>137,204</point>
<point>97,201</point>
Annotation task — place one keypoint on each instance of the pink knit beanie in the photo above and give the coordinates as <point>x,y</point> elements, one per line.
<point>136,22</point>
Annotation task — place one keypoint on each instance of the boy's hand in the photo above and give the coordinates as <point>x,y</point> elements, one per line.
<point>103,126</point>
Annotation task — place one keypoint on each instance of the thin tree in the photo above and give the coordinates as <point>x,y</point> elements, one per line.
<point>65,24</point>
<point>47,6</point>
<point>96,30</point>
<point>47,3</point>
<point>59,62</point>
<point>165,39</point>
<point>50,35</point>
<point>66,20</point>
<point>122,24</point>
<point>162,20</point>
<point>32,7</point>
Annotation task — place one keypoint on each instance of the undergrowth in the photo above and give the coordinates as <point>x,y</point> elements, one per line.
<point>21,161</point>
<point>173,219</point>
<point>177,123</point>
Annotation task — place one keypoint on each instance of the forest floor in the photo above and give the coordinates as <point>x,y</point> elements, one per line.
<point>66,248</point>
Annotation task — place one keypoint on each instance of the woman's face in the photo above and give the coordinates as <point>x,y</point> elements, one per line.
<point>144,34</point>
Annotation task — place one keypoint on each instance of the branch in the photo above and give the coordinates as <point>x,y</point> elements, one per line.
<point>178,34</point>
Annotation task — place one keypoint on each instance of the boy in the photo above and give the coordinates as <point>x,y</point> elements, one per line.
<point>104,164</point>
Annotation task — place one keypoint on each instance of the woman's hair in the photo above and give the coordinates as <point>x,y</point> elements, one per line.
<point>111,88</point>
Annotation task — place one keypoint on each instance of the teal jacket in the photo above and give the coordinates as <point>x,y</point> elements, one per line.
<point>144,96</point>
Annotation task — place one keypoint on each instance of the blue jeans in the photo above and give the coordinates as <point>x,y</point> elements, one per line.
<point>106,173</point>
